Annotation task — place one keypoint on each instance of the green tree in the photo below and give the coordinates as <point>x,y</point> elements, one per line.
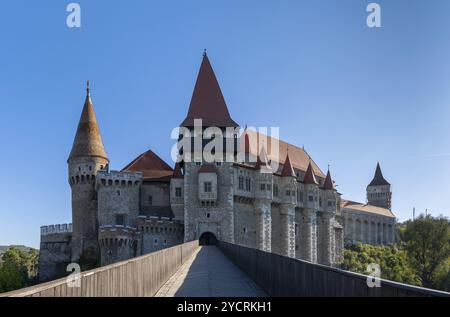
<point>427,241</point>
<point>18,269</point>
<point>393,262</point>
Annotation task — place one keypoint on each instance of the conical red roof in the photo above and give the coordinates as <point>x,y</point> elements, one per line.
<point>287,168</point>
<point>88,141</point>
<point>263,161</point>
<point>328,184</point>
<point>310,178</point>
<point>207,101</point>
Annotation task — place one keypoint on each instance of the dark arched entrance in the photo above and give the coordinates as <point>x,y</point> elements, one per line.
<point>208,238</point>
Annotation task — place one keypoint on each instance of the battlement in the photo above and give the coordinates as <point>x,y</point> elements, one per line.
<point>156,225</point>
<point>117,235</point>
<point>116,178</point>
<point>53,229</point>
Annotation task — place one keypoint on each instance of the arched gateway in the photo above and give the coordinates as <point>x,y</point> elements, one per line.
<point>208,238</point>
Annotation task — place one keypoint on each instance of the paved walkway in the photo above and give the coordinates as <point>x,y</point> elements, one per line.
<point>209,273</point>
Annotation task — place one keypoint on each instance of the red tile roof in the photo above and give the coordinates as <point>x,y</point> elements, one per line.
<point>177,172</point>
<point>353,205</point>
<point>287,168</point>
<point>328,184</point>
<point>88,141</point>
<point>207,101</point>
<point>298,157</point>
<point>151,166</point>
<point>310,178</point>
<point>262,161</point>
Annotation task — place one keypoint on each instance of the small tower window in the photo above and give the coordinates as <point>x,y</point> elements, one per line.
<point>241,182</point>
<point>207,187</point>
<point>248,184</point>
<point>120,220</point>
<point>263,186</point>
<point>275,190</point>
<point>178,192</point>
<point>118,193</point>
<point>150,200</point>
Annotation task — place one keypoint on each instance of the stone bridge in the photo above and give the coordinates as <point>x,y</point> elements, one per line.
<point>222,270</point>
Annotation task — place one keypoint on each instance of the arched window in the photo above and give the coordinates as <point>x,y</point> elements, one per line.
<point>241,182</point>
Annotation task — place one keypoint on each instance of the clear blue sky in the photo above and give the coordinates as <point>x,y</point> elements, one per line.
<point>350,94</point>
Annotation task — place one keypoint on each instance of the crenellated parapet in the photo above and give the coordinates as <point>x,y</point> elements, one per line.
<point>118,243</point>
<point>54,229</point>
<point>118,195</point>
<point>160,226</point>
<point>118,179</point>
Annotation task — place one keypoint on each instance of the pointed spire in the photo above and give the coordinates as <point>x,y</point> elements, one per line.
<point>328,184</point>
<point>287,167</point>
<point>310,178</point>
<point>177,172</point>
<point>378,178</point>
<point>88,141</point>
<point>263,161</point>
<point>207,101</point>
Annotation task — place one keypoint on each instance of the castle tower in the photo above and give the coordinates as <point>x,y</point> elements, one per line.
<point>379,190</point>
<point>328,212</point>
<point>309,225</point>
<point>87,157</point>
<point>263,202</point>
<point>287,208</point>
<point>209,185</point>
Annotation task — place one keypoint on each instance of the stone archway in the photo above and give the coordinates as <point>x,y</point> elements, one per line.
<point>208,238</point>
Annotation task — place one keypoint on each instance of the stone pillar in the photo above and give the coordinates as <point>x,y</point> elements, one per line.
<point>310,230</point>
<point>327,238</point>
<point>287,227</point>
<point>264,225</point>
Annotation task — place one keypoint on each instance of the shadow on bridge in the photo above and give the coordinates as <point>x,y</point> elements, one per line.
<point>211,274</point>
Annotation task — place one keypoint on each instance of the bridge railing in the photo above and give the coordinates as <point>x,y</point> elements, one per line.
<point>138,277</point>
<point>278,276</point>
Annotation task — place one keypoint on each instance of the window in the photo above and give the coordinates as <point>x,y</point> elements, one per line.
<point>320,202</point>
<point>118,193</point>
<point>150,200</point>
<point>263,186</point>
<point>288,193</point>
<point>178,192</point>
<point>207,187</point>
<point>208,215</point>
<point>248,184</point>
<point>275,190</point>
<point>330,203</point>
<point>241,182</point>
<point>198,163</point>
<point>269,186</point>
<point>156,241</point>
<point>218,163</point>
<point>299,196</point>
<point>310,198</point>
<point>120,220</point>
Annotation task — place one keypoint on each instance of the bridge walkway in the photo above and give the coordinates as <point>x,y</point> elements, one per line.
<point>209,273</point>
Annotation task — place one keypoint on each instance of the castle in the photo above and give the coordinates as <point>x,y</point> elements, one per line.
<point>373,222</point>
<point>275,200</point>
